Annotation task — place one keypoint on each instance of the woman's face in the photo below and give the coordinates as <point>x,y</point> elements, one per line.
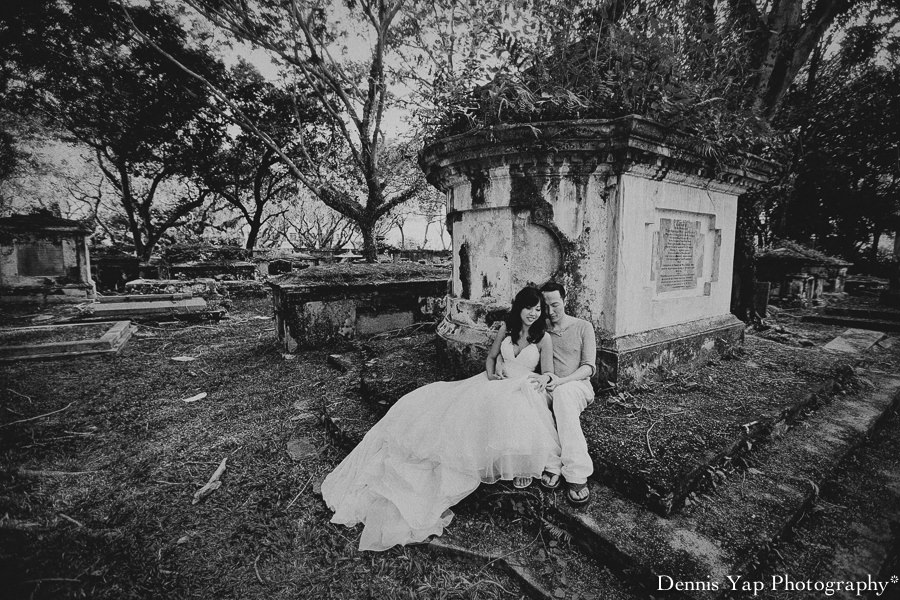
<point>530,314</point>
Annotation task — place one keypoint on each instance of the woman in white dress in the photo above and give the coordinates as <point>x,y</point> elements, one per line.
<point>439,442</point>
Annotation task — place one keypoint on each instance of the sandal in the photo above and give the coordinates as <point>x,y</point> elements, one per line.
<point>550,480</point>
<point>579,493</point>
<point>520,483</point>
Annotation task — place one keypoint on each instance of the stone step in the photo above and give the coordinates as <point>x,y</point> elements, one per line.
<point>853,532</point>
<point>731,530</point>
<point>658,446</point>
<point>856,322</point>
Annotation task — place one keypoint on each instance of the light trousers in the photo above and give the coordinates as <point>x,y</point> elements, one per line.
<point>567,402</point>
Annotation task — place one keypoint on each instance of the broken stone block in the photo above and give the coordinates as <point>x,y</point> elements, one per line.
<point>301,448</point>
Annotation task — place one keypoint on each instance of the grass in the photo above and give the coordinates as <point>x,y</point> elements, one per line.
<point>96,498</point>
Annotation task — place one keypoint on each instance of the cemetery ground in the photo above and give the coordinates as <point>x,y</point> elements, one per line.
<point>103,458</point>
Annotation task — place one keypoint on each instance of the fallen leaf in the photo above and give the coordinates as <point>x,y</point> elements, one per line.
<point>183,358</point>
<point>559,593</point>
<point>199,396</point>
<point>288,356</point>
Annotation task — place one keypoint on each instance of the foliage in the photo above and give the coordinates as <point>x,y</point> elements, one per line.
<point>244,172</point>
<point>843,175</point>
<point>310,224</point>
<point>77,66</point>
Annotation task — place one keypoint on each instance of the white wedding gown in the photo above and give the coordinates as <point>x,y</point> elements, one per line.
<point>436,445</point>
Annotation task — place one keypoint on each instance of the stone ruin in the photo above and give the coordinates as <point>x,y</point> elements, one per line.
<point>627,214</point>
<point>800,274</point>
<point>322,304</point>
<point>44,259</point>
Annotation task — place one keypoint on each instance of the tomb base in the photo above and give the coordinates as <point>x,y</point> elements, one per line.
<point>628,360</point>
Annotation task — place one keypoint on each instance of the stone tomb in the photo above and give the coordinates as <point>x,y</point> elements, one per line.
<point>44,259</point>
<point>637,226</point>
<point>321,304</point>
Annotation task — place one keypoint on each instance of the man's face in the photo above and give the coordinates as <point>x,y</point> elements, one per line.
<point>556,308</point>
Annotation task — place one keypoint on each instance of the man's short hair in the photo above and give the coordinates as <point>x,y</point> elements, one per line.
<point>552,286</point>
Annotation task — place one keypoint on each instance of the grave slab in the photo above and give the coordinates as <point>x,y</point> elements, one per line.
<point>115,337</point>
<point>146,309</point>
<point>855,341</point>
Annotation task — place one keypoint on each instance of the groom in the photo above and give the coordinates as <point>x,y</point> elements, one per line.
<point>570,390</point>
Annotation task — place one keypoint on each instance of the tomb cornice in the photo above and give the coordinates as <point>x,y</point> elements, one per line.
<point>629,144</point>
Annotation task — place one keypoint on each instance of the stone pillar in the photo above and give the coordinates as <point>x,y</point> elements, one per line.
<point>621,212</point>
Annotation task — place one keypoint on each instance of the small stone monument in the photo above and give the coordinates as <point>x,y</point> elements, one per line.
<point>625,213</point>
<point>44,258</point>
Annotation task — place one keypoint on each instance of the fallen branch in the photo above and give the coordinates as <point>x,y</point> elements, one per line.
<point>257,570</point>
<point>37,473</point>
<point>71,520</point>
<point>647,434</point>
<point>212,485</point>
<point>39,416</point>
<point>19,394</point>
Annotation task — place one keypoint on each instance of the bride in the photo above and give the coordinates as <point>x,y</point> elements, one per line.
<point>439,442</point>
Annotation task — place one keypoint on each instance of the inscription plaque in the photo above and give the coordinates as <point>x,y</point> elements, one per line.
<point>677,255</point>
<point>40,258</point>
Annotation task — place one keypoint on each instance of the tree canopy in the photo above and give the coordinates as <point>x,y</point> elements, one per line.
<point>78,67</point>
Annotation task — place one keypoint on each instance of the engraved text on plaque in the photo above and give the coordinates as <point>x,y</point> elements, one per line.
<point>677,255</point>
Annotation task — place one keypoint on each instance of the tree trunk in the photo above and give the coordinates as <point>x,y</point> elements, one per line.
<point>252,236</point>
<point>369,251</point>
<point>744,272</point>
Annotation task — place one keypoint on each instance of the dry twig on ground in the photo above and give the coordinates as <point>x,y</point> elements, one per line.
<point>39,416</point>
<point>211,485</point>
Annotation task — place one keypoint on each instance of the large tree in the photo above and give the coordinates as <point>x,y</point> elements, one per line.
<point>78,66</point>
<point>321,45</point>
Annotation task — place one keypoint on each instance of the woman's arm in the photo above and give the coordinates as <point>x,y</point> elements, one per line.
<point>490,363</point>
<point>546,348</point>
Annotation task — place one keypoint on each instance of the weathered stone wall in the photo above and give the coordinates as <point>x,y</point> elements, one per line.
<point>314,315</point>
<point>637,226</point>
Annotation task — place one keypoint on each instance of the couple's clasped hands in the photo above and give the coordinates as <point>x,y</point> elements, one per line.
<point>541,383</point>
<point>544,383</point>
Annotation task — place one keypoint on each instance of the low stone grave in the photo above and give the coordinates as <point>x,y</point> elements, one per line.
<point>659,443</point>
<point>192,287</point>
<point>52,341</point>
<point>344,301</point>
<point>153,307</point>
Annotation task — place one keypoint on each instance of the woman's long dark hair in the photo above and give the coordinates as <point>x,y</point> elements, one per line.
<point>526,298</point>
